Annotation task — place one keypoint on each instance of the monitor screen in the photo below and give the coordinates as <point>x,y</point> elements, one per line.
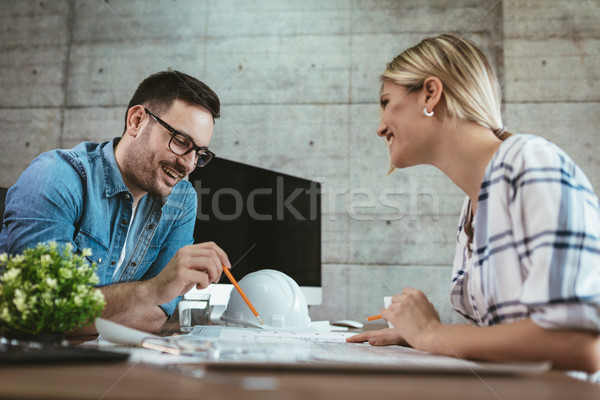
<point>262,219</point>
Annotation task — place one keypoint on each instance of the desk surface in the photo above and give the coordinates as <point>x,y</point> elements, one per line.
<point>129,381</point>
<point>126,380</point>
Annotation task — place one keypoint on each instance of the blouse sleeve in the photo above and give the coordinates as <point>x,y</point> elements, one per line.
<point>556,216</point>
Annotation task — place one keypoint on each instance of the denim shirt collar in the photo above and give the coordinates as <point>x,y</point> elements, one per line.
<point>114,183</point>
<point>113,177</point>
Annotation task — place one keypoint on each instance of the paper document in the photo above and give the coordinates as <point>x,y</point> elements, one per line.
<point>270,348</point>
<point>268,335</point>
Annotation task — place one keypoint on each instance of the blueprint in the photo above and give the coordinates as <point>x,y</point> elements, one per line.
<point>231,347</point>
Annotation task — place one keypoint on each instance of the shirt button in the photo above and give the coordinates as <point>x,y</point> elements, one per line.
<point>100,259</point>
<point>133,264</point>
<point>150,226</point>
<point>113,263</point>
<point>124,221</point>
<point>127,196</point>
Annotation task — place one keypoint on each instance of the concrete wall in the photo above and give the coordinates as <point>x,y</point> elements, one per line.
<point>299,85</point>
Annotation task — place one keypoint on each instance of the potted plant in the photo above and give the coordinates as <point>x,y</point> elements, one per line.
<point>48,289</point>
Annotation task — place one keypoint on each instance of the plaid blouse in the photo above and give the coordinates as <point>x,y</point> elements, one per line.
<point>536,247</point>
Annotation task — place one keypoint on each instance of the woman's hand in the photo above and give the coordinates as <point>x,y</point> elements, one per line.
<point>414,319</point>
<point>413,316</point>
<point>383,337</point>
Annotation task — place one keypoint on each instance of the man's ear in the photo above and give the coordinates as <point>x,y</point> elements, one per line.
<point>432,90</point>
<point>136,120</point>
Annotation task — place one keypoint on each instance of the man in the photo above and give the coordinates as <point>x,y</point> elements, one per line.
<point>126,200</point>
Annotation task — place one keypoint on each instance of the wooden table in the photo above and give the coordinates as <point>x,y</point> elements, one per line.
<point>129,381</point>
<point>126,380</point>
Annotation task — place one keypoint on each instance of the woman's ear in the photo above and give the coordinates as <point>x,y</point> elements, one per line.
<point>432,90</point>
<point>136,116</point>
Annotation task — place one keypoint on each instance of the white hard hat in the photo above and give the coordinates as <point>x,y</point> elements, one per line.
<point>275,296</point>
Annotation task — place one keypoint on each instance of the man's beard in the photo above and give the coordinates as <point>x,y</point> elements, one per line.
<point>143,172</point>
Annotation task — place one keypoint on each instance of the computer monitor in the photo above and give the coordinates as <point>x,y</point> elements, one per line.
<point>262,219</point>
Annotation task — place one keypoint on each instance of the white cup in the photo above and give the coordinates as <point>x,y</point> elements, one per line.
<point>387,300</point>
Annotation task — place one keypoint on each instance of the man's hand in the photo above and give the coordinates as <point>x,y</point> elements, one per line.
<point>194,265</point>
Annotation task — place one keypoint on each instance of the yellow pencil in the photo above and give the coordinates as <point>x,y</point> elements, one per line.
<point>241,292</point>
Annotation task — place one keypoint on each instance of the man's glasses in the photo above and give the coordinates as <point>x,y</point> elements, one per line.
<point>181,144</point>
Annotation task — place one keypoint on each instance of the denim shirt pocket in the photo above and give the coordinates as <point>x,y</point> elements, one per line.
<point>99,254</point>
<point>148,267</point>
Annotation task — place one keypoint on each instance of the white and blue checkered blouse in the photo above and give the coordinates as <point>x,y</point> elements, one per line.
<point>536,246</point>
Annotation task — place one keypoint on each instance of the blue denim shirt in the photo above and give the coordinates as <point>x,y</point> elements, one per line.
<point>78,196</point>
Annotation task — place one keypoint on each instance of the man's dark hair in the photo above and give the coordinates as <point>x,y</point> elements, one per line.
<point>158,92</point>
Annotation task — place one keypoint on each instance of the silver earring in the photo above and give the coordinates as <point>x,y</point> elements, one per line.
<point>427,113</point>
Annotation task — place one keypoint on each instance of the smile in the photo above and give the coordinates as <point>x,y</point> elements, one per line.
<point>172,173</point>
<point>389,138</point>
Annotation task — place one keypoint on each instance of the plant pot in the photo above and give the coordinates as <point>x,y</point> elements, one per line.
<point>45,339</point>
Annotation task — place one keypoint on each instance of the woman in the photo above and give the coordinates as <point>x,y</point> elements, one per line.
<point>527,265</point>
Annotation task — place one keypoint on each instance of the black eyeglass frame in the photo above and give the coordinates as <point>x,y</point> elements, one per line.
<point>200,150</point>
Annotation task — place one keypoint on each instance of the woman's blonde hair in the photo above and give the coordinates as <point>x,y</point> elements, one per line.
<point>471,89</point>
